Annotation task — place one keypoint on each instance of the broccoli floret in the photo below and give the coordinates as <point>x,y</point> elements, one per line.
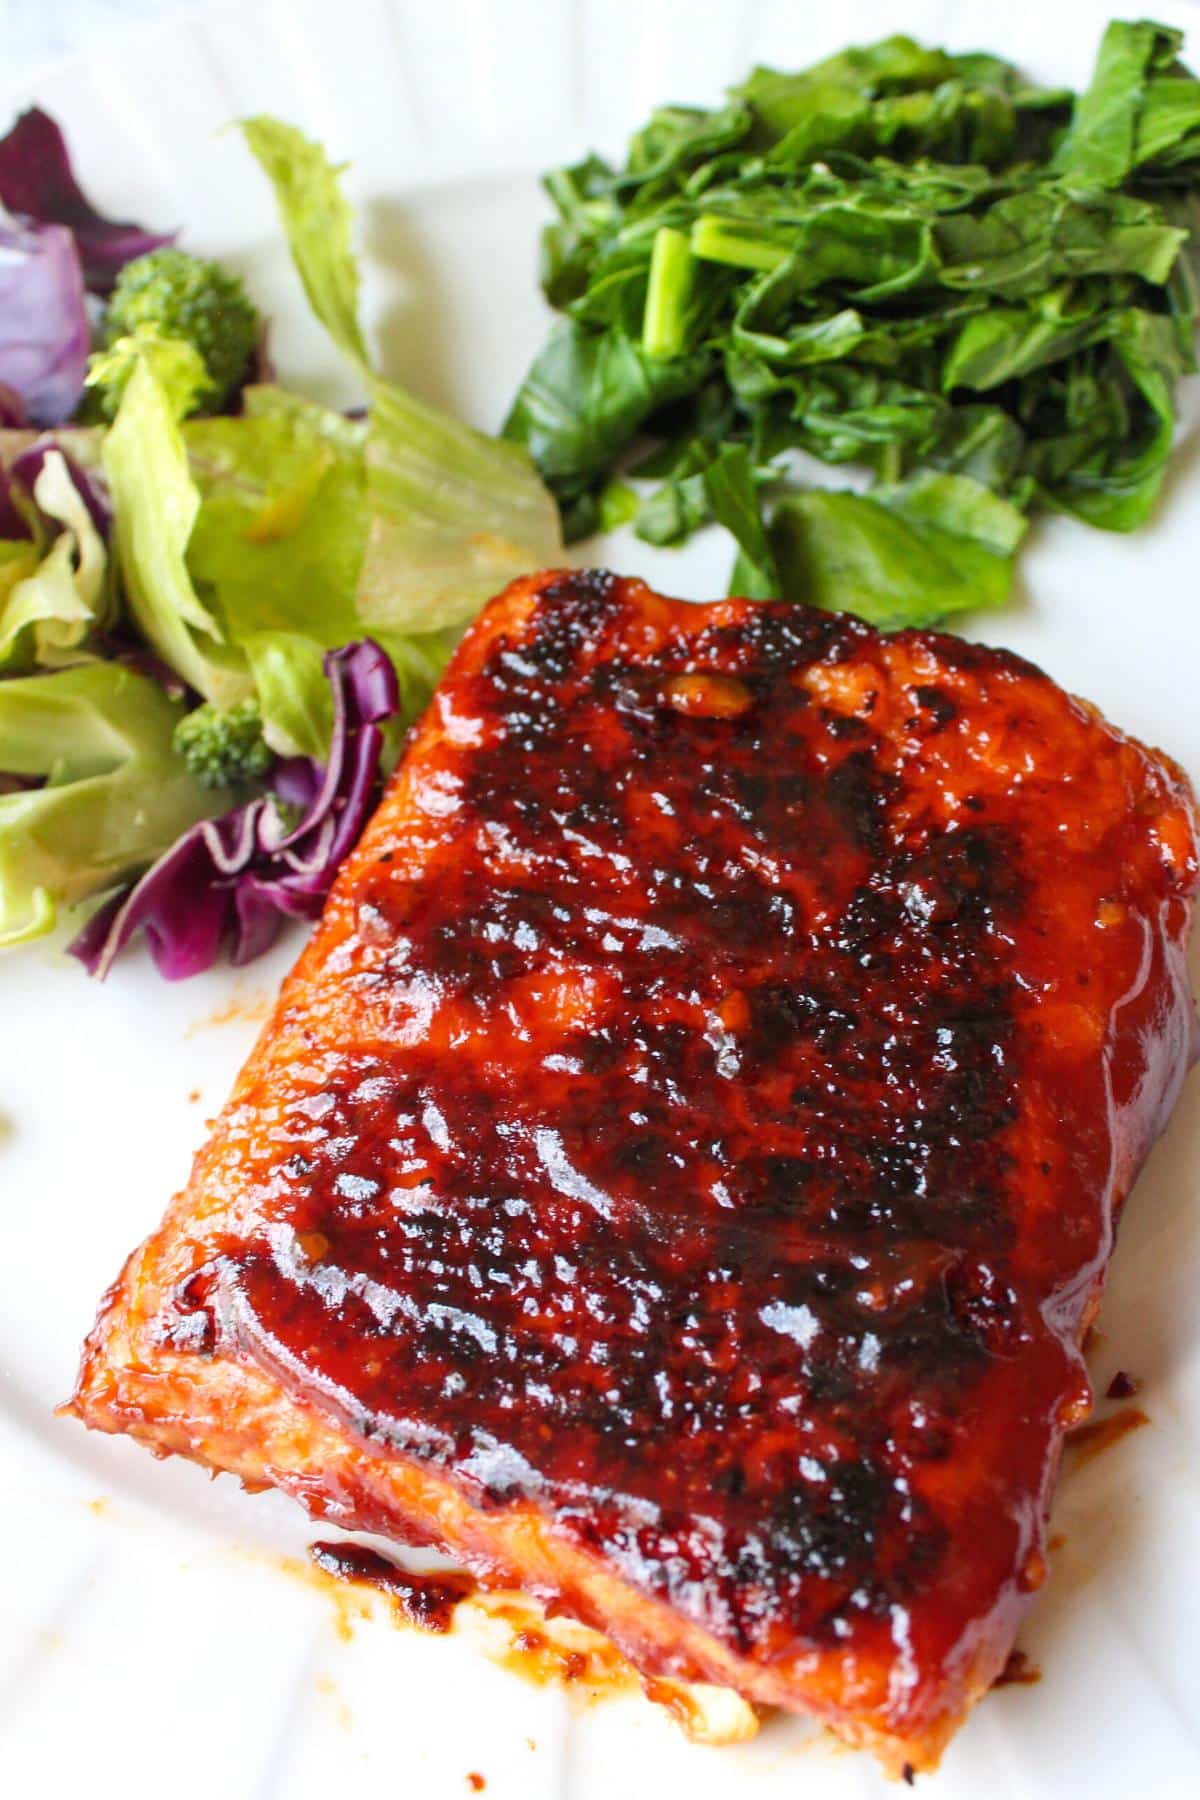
<point>182,297</point>
<point>223,748</point>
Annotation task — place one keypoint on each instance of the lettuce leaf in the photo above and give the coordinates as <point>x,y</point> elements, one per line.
<point>281,526</point>
<point>99,791</point>
<point>252,545</point>
<point>319,222</point>
<point>277,548</point>
<point>155,503</point>
<point>454,515</point>
<point>47,614</point>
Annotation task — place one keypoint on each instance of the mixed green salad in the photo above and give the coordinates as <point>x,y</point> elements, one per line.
<point>220,601</point>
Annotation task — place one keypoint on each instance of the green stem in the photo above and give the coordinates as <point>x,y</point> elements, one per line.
<point>666,297</point>
<point>715,240</point>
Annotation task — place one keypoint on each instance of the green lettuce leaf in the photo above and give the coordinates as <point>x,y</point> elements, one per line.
<point>49,608</point>
<point>278,551</point>
<point>454,515</point>
<point>114,794</point>
<point>319,222</point>
<point>155,503</point>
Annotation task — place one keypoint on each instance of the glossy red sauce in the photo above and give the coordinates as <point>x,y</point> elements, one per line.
<point>427,1601</point>
<point>722,1154</point>
<point>532,1651</point>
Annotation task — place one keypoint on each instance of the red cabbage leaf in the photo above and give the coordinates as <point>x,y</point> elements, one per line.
<point>36,179</point>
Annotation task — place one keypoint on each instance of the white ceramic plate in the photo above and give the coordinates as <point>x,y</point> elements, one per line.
<point>149,1637</point>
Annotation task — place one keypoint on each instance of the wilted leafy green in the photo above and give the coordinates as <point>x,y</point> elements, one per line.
<point>934,545</point>
<point>902,258</point>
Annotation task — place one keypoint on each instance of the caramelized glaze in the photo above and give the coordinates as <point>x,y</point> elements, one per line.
<point>427,1601</point>
<point>700,1119</point>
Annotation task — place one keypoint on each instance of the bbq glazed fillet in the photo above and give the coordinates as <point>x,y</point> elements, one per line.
<point>680,1169</point>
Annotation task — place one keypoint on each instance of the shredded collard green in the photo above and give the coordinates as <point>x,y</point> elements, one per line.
<point>899,258</point>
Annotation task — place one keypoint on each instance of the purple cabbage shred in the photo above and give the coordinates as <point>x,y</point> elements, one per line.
<point>20,478</point>
<point>44,332</point>
<point>37,181</point>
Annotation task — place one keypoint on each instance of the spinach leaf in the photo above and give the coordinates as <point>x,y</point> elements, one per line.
<point>906,555</point>
<point>1101,146</point>
<point>733,496</point>
<point>587,395</point>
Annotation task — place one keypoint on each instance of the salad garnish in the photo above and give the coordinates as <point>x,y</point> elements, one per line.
<point>266,587</point>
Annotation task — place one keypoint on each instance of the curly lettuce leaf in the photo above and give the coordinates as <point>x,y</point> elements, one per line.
<point>48,613</point>
<point>319,222</point>
<point>112,796</point>
<point>155,503</point>
<point>281,527</point>
<point>454,515</point>
<point>277,548</point>
<point>249,567</point>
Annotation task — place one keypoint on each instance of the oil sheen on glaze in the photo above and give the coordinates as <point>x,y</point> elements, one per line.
<point>702,1112</point>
